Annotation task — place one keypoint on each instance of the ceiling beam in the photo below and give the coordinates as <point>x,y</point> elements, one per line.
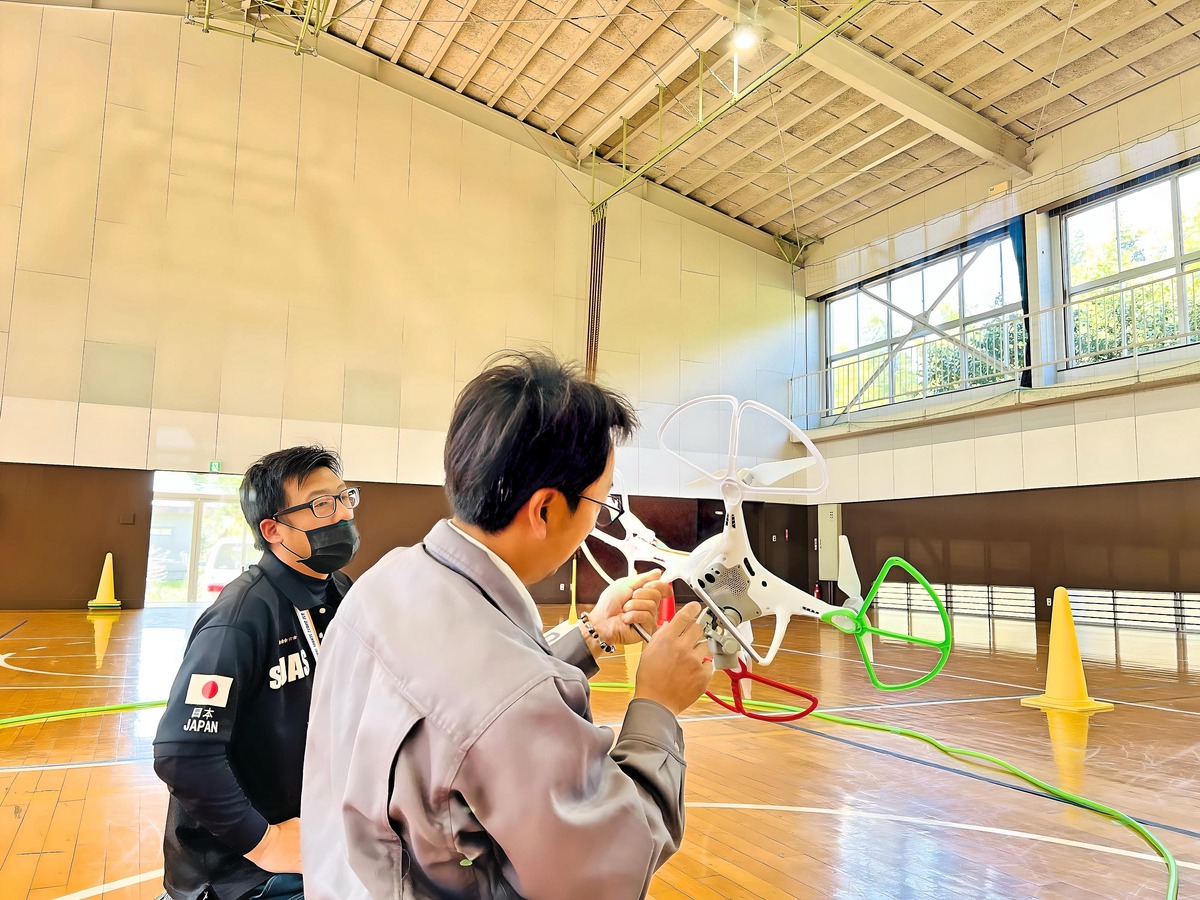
<point>792,198</point>
<point>809,139</point>
<point>368,23</point>
<point>486,51</point>
<point>448,42</point>
<point>649,29</point>
<point>866,72</point>
<point>585,44</point>
<point>1013,54</point>
<point>673,99</point>
<point>680,62</point>
<point>534,47</point>
<point>1055,91</point>
<point>935,177</point>
<point>407,34</point>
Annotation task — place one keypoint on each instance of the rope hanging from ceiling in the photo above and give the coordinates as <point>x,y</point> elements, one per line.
<point>595,288</point>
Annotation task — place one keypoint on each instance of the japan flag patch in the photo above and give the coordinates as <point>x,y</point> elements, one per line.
<point>208,690</point>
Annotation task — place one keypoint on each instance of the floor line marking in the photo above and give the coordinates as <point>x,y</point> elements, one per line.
<point>911,703</point>
<point>974,776</point>
<point>1182,712</point>
<point>941,823</point>
<point>112,886</point>
<point>100,763</point>
<point>1023,687</point>
<point>6,664</point>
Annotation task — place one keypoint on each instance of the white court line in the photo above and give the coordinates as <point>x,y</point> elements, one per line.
<point>6,664</point>
<point>940,823</point>
<point>99,764</point>
<point>847,709</point>
<point>1182,712</point>
<point>911,703</point>
<point>58,687</point>
<point>112,886</point>
<point>1023,687</point>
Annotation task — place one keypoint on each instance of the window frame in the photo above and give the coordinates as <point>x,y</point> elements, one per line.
<point>1181,264</point>
<point>959,327</point>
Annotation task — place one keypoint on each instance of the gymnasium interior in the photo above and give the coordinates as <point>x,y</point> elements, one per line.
<point>953,245</point>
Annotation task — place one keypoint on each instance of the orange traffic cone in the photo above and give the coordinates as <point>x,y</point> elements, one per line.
<point>1066,687</point>
<point>105,598</point>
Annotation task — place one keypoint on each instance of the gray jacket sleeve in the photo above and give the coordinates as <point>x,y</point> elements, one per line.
<point>569,646</point>
<point>573,814</point>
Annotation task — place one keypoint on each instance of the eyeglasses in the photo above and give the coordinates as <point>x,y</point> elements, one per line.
<point>326,506</point>
<point>608,512</point>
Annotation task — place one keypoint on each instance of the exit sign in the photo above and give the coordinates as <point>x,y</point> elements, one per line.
<point>214,465</point>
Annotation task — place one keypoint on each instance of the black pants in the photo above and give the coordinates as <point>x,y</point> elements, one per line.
<point>277,887</point>
<point>287,886</point>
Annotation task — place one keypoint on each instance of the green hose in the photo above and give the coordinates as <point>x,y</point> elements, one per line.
<point>56,715</point>
<point>1049,789</point>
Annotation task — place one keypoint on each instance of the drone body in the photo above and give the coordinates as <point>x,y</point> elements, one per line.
<point>734,586</point>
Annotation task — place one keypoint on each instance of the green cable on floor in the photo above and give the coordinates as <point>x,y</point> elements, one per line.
<point>57,715</point>
<point>1049,789</point>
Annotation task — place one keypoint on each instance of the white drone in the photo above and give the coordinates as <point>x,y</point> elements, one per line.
<point>724,572</point>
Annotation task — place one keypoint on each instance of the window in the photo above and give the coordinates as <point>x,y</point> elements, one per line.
<point>1131,263</point>
<point>952,323</point>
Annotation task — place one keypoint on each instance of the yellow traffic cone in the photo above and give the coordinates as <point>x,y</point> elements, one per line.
<point>102,625</point>
<point>633,656</point>
<point>1068,743</point>
<point>572,614</point>
<point>1066,687</point>
<point>105,598</point>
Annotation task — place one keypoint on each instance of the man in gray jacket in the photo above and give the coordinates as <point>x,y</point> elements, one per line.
<point>451,750</point>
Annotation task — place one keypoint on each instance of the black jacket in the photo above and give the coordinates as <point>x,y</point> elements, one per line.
<point>230,745</point>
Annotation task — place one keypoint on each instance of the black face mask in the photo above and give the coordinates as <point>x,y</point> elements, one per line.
<point>330,547</point>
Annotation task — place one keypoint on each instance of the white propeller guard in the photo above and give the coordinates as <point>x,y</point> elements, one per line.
<point>737,409</point>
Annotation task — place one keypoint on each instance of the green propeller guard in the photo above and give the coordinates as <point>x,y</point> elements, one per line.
<point>857,624</point>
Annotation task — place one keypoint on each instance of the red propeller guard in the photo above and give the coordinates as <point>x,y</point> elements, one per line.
<point>742,674</point>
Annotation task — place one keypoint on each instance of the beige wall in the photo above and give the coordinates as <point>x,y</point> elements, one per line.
<point>209,249</point>
<point>1147,435</point>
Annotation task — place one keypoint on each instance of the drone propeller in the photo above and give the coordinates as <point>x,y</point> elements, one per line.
<point>762,475</point>
<point>848,579</point>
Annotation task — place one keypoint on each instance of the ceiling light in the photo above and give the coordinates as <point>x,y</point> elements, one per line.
<point>744,37</point>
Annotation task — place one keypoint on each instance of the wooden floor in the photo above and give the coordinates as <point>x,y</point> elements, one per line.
<point>814,809</point>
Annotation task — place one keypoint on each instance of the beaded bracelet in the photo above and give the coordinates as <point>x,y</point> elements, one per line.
<point>604,645</point>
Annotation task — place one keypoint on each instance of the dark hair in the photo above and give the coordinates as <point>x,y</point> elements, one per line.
<point>262,491</point>
<point>526,423</point>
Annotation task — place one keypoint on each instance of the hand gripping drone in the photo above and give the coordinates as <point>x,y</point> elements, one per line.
<point>736,588</point>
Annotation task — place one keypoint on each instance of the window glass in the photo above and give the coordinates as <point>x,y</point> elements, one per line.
<point>880,354</point>
<point>908,295</point>
<point>872,320</point>
<point>1144,234</point>
<point>1092,243</point>
<point>843,324</point>
<point>1189,210</point>
<point>983,285</point>
<point>940,278</point>
<point>1147,235</point>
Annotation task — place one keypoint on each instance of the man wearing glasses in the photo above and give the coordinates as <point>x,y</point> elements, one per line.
<point>451,751</point>
<point>230,745</point>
